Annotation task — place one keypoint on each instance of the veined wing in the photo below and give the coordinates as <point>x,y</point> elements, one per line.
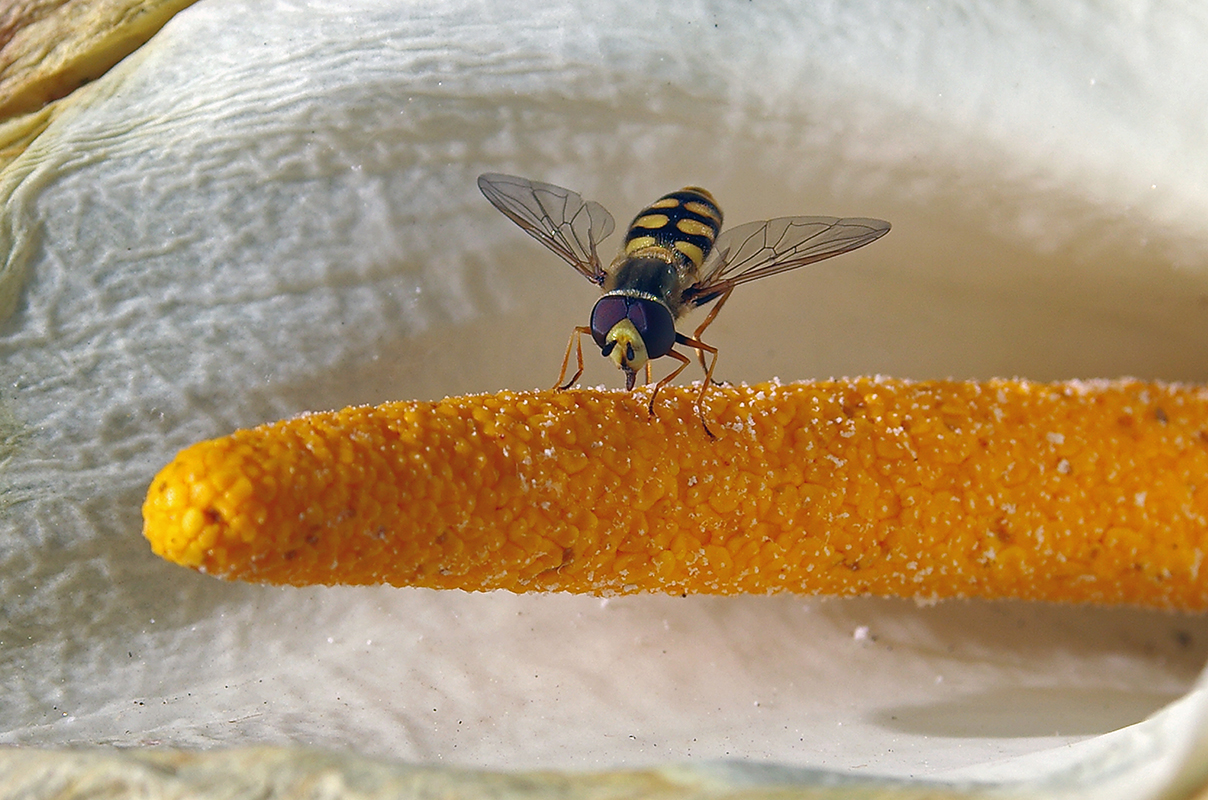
<point>759,249</point>
<point>558,218</point>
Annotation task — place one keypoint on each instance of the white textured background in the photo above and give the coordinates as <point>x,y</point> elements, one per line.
<point>271,208</point>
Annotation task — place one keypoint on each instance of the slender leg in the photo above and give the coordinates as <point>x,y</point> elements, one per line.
<point>684,361</point>
<point>700,351</point>
<point>647,372</point>
<point>701,348</point>
<point>576,341</point>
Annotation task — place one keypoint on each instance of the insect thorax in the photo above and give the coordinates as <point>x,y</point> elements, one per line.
<point>652,275</point>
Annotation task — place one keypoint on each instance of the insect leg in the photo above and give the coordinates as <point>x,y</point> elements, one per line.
<point>701,348</point>
<point>684,361</point>
<point>576,340</point>
<point>700,351</point>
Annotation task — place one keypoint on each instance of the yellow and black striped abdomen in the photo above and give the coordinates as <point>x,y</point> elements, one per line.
<point>684,223</point>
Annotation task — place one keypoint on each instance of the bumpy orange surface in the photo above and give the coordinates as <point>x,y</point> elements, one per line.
<point>1093,492</point>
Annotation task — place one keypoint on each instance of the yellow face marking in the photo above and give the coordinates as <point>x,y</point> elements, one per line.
<point>651,221</point>
<point>666,202</point>
<point>629,350</point>
<point>694,227</point>
<point>705,210</point>
<point>691,251</point>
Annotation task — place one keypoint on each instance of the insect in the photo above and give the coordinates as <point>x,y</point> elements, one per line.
<point>675,258</point>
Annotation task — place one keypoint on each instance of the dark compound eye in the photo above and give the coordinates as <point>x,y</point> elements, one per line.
<point>654,323</point>
<point>609,310</point>
<point>651,318</point>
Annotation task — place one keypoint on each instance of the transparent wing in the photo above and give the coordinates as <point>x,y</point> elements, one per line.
<point>759,249</point>
<point>558,218</point>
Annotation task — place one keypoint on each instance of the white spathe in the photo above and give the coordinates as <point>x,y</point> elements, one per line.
<point>271,208</point>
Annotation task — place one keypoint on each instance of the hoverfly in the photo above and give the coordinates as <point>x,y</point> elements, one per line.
<point>673,261</point>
